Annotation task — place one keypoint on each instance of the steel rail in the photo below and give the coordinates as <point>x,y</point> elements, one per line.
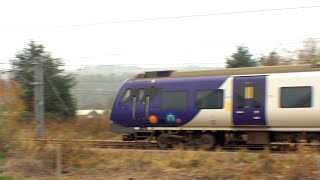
<point>118,144</point>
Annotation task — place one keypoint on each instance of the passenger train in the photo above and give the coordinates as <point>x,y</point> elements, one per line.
<point>257,105</point>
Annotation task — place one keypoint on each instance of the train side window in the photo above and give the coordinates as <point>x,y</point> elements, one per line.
<point>141,94</point>
<point>153,92</point>
<point>258,96</point>
<point>126,96</point>
<point>295,97</point>
<point>209,99</point>
<point>240,96</point>
<point>174,100</point>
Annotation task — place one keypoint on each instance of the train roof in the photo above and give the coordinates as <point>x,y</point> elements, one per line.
<point>229,71</point>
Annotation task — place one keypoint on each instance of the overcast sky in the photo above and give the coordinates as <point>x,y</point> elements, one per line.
<point>102,32</point>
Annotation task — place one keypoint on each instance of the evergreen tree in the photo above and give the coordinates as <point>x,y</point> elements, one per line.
<point>242,58</point>
<point>58,100</point>
<point>273,59</point>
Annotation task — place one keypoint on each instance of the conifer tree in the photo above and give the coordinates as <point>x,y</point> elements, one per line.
<point>242,58</point>
<point>59,102</point>
<point>273,59</point>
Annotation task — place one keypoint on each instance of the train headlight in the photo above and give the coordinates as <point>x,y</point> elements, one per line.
<point>153,119</point>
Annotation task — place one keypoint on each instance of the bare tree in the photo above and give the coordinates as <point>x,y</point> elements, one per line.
<point>310,54</point>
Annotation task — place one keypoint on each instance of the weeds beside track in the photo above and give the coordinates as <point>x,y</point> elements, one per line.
<point>108,159</point>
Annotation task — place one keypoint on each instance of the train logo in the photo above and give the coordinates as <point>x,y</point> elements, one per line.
<point>171,118</point>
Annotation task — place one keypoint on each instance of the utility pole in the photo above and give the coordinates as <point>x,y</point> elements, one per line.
<point>39,97</point>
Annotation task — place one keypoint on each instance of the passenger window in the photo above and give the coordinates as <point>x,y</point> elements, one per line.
<point>295,97</point>
<point>141,94</point>
<point>126,96</point>
<point>153,92</point>
<point>175,100</point>
<point>240,97</point>
<point>209,99</point>
<point>258,96</point>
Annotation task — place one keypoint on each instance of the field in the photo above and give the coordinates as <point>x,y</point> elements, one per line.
<point>73,129</point>
<point>29,160</point>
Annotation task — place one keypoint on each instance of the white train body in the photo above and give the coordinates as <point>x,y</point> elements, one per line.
<point>277,118</point>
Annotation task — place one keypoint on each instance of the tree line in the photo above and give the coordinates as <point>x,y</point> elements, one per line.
<point>309,54</point>
<point>60,83</point>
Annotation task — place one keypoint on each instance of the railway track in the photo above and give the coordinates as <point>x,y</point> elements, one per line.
<point>116,144</point>
<point>97,143</point>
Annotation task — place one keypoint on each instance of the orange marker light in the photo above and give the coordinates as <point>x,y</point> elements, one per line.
<point>153,119</point>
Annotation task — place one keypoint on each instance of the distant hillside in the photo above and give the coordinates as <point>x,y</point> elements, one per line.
<point>117,69</point>
<point>97,85</point>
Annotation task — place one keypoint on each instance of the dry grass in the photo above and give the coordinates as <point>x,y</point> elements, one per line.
<point>72,129</point>
<point>204,165</point>
<point>29,160</point>
<point>81,162</point>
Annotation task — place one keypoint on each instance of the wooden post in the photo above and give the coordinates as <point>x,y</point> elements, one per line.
<point>58,161</point>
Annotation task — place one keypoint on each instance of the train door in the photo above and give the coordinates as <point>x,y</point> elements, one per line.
<point>142,102</point>
<point>249,100</point>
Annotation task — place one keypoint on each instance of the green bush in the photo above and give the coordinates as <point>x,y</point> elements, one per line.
<point>6,177</point>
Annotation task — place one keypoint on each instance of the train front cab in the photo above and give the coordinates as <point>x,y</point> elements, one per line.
<point>130,109</point>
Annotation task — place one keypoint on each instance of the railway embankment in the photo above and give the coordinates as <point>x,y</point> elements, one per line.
<point>71,155</point>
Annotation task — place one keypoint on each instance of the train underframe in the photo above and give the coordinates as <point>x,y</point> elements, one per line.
<point>210,139</point>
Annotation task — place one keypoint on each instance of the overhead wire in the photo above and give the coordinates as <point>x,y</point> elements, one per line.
<point>183,16</point>
<point>198,15</point>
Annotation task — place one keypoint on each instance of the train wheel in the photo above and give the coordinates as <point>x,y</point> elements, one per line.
<point>207,141</point>
<point>162,141</point>
<point>128,137</point>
